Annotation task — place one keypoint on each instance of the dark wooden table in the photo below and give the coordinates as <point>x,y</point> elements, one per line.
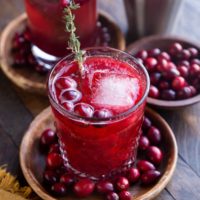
<point>17,110</point>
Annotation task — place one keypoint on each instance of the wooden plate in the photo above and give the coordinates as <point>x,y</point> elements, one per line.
<point>33,163</point>
<point>25,77</point>
<point>163,43</point>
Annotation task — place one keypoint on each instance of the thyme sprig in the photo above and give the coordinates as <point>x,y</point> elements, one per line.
<point>74,43</point>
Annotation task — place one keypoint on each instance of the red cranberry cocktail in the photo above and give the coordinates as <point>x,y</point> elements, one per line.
<point>99,114</point>
<point>47,24</point>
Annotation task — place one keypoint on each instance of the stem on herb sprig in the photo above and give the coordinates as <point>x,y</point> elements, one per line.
<point>74,43</point>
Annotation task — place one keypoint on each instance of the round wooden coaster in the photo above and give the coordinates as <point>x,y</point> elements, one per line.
<point>33,162</point>
<point>25,77</point>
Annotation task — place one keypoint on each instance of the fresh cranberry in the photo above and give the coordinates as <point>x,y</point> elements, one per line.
<point>155,77</point>
<point>65,3</point>
<point>103,113</point>
<point>163,85</point>
<point>122,183</point>
<point>54,160</point>
<point>162,65</point>
<point>184,93</point>
<point>168,94</point>
<point>193,51</point>
<point>195,61</point>
<point>50,177</point>
<point>184,72</point>
<point>175,48</point>
<point>143,143</point>
<point>193,90</point>
<point>125,195</point>
<point>185,63</point>
<point>150,177</point>
<point>72,95</point>
<point>84,110</point>
<point>178,83</point>
<point>150,64</point>
<point>185,54</point>
<point>112,196</point>
<point>194,69</point>
<point>59,189</point>
<point>133,175</point>
<point>154,52</point>
<point>67,180</point>
<point>144,165</point>
<point>54,148</point>
<point>48,137</point>
<point>104,187</point>
<point>142,54</point>
<point>164,55</point>
<point>68,106</point>
<point>84,187</point>
<point>171,73</point>
<point>146,123</point>
<point>154,135</point>
<point>154,92</point>
<point>65,83</point>
<point>155,155</point>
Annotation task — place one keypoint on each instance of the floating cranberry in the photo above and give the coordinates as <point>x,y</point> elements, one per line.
<point>68,106</point>
<point>193,51</point>
<point>143,143</point>
<point>154,52</point>
<point>72,95</point>
<point>184,93</point>
<point>154,135</point>
<point>163,85</point>
<point>155,77</point>
<point>112,196</point>
<point>103,113</point>
<point>168,94</point>
<point>104,187</point>
<point>48,137</point>
<point>155,155</point>
<point>122,183</point>
<point>50,177</point>
<point>184,72</point>
<point>65,83</point>
<point>133,175</point>
<point>84,110</point>
<point>146,123</point>
<point>54,148</point>
<point>150,177</point>
<point>150,64</point>
<point>67,180</point>
<point>142,54</point>
<point>59,189</point>
<point>125,195</point>
<point>175,48</point>
<point>178,83</point>
<point>194,69</point>
<point>154,92</point>
<point>144,165</point>
<point>54,160</point>
<point>164,55</point>
<point>84,187</point>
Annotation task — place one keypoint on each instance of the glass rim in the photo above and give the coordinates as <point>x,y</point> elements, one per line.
<point>72,115</point>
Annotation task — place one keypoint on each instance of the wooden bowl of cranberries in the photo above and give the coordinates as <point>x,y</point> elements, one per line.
<point>174,69</point>
<point>43,168</point>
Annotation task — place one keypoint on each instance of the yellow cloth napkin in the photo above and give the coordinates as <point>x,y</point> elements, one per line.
<point>10,188</point>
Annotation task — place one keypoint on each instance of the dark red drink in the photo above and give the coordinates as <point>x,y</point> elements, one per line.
<point>98,116</point>
<point>47,25</point>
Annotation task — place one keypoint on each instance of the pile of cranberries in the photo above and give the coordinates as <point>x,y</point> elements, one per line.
<point>174,73</point>
<point>59,181</point>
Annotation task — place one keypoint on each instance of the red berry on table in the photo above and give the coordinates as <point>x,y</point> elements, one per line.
<point>112,196</point>
<point>122,183</point>
<point>143,143</point>
<point>125,195</point>
<point>154,92</point>
<point>150,63</point>
<point>154,135</point>
<point>84,187</point>
<point>144,165</point>
<point>54,160</point>
<point>59,189</point>
<point>133,175</point>
<point>104,187</point>
<point>150,177</point>
<point>178,83</point>
<point>48,137</point>
<point>155,155</point>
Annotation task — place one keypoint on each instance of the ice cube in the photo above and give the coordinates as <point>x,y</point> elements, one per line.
<point>115,91</point>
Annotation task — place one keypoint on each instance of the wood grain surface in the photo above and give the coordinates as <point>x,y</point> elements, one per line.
<point>17,109</point>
